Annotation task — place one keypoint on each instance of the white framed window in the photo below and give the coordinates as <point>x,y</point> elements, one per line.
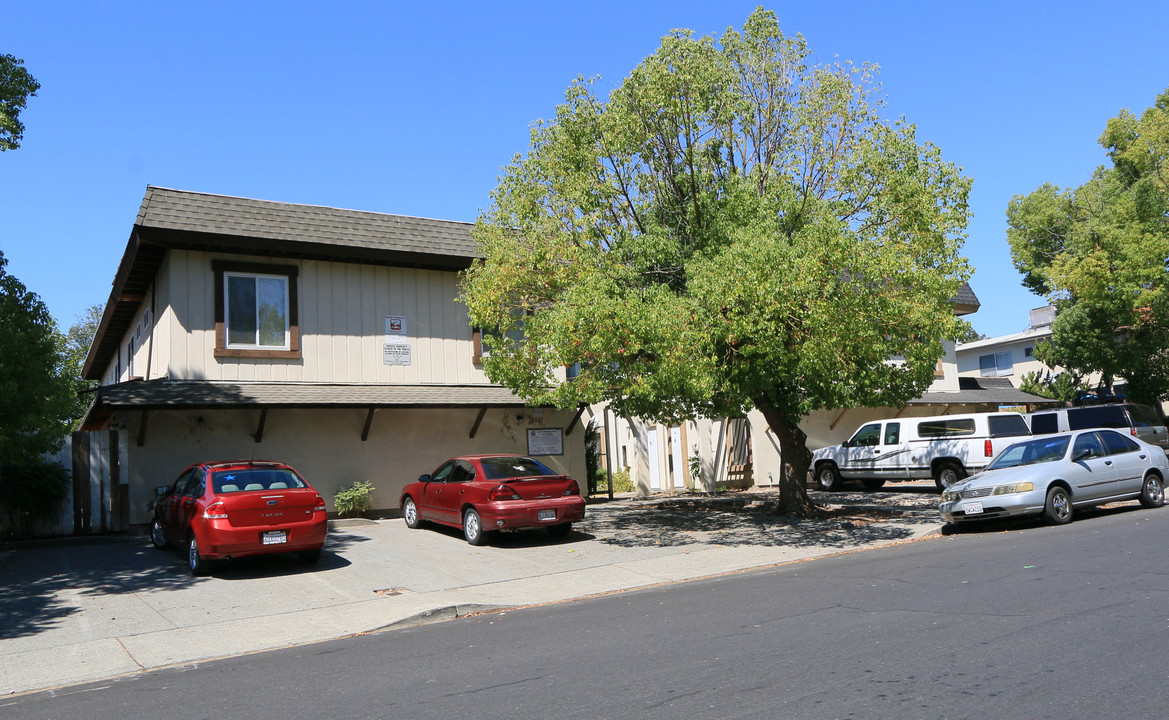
<point>996,365</point>
<point>255,310</point>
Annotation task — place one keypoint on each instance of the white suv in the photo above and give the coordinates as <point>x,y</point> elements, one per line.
<point>946,448</point>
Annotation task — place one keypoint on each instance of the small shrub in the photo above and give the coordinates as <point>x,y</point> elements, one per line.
<point>31,494</point>
<point>355,500</point>
<point>622,481</point>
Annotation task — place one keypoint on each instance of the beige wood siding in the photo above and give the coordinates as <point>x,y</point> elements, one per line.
<point>342,310</point>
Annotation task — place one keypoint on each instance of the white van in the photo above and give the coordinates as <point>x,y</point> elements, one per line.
<point>946,448</point>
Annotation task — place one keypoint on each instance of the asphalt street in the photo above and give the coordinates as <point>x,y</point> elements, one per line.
<point>1011,621</point>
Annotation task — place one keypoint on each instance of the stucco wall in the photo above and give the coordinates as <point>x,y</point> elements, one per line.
<point>326,447</point>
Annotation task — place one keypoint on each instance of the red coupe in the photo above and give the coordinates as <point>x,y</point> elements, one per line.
<point>484,493</point>
<point>234,509</point>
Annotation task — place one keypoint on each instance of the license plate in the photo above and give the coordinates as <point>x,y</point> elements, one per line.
<point>973,508</point>
<point>545,514</point>
<point>274,538</point>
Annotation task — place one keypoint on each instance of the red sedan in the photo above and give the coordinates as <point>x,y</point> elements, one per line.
<point>484,493</point>
<point>235,509</point>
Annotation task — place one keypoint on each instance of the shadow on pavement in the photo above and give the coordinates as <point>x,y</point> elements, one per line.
<point>749,519</point>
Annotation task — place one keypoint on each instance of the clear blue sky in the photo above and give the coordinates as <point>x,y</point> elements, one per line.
<point>413,107</point>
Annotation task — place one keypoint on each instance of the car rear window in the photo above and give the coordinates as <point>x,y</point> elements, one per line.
<point>1110,416</point>
<point>229,481</point>
<point>1007,426</point>
<point>1143,415</point>
<point>512,467</point>
<point>946,428</point>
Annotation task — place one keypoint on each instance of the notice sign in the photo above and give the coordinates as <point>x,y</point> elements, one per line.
<point>395,327</point>
<point>396,354</point>
<point>545,441</point>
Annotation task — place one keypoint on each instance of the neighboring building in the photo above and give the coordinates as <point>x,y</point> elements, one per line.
<point>328,339</point>
<point>743,452</point>
<point>1007,356</point>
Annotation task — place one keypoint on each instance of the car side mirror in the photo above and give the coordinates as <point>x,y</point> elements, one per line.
<point>162,491</point>
<point>424,477</point>
<point>1082,455</point>
<point>846,443</point>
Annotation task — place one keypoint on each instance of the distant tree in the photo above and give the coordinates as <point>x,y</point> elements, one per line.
<point>77,342</point>
<point>968,334</point>
<point>16,86</point>
<point>730,229</point>
<point>1098,252</point>
<point>37,392</point>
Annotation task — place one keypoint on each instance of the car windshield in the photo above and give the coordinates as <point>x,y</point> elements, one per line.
<point>1031,452</point>
<point>498,468</point>
<point>241,479</point>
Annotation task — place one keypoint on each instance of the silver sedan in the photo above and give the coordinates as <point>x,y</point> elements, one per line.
<point>1054,474</point>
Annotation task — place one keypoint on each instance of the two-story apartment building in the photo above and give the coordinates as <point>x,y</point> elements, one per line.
<point>329,339</point>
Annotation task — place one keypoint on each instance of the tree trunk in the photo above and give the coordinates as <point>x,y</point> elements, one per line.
<point>794,460</point>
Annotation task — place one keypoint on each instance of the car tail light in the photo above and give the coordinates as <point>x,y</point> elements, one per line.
<point>215,511</point>
<point>988,448</point>
<point>502,492</point>
<point>573,489</point>
<point>319,504</point>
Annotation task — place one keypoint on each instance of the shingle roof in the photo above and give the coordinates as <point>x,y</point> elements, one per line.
<point>302,225</point>
<point>983,391</point>
<point>166,394</point>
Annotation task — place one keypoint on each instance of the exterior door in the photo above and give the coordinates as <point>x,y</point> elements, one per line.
<point>430,504</point>
<point>891,457</point>
<point>678,467</point>
<point>651,449</point>
<point>1129,459</point>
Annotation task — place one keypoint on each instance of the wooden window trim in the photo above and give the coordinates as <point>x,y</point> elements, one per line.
<point>218,268</point>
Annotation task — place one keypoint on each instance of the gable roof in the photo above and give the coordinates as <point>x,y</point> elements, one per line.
<point>980,390</point>
<point>178,219</point>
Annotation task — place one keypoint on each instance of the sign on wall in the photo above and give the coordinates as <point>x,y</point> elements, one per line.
<point>545,441</point>
<point>396,350</point>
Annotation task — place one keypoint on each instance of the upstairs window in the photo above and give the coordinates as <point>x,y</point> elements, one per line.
<point>996,365</point>
<point>255,310</point>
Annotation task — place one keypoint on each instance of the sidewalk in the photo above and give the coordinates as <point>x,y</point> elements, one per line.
<point>84,611</point>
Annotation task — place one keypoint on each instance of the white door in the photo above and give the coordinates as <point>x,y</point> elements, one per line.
<point>651,449</point>
<point>678,457</point>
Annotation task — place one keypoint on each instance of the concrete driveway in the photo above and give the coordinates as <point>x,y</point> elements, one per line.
<point>86,609</point>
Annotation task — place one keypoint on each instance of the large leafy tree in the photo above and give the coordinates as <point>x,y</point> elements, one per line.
<point>730,229</point>
<point>1098,253</point>
<point>16,86</point>
<point>38,398</point>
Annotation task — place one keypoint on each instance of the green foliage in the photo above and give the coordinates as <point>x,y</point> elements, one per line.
<point>695,462</point>
<point>593,469</point>
<point>355,500</point>
<point>622,482</point>
<point>31,494</point>
<point>38,399</point>
<point>1098,253</point>
<point>16,86</point>
<point>730,229</point>
<point>1063,386</point>
<point>77,342</point>
<point>967,333</point>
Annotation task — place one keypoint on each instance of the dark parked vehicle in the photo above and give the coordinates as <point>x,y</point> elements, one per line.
<point>234,509</point>
<point>485,493</point>
<point>1140,421</point>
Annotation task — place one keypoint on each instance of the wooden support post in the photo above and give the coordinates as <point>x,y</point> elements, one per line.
<point>575,420</point>
<point>260,427</point>
<point>479,419</point>
<point>142,428</point>
<point>368,422</point>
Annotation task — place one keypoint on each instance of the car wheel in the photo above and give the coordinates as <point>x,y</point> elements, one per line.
<point>1153,491</point>
<point>873,483</point>
<point>1058,508</point>
<point>157,534</point>
<point>410,513</point>
<point>473,527</point>
<point>828,477</point>
<point>308,557</point>
<point>559,531</point>
<point>948,473</point>
<point>199,565</point>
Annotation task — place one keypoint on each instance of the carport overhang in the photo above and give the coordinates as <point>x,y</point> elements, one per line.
<point>147,396</point>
